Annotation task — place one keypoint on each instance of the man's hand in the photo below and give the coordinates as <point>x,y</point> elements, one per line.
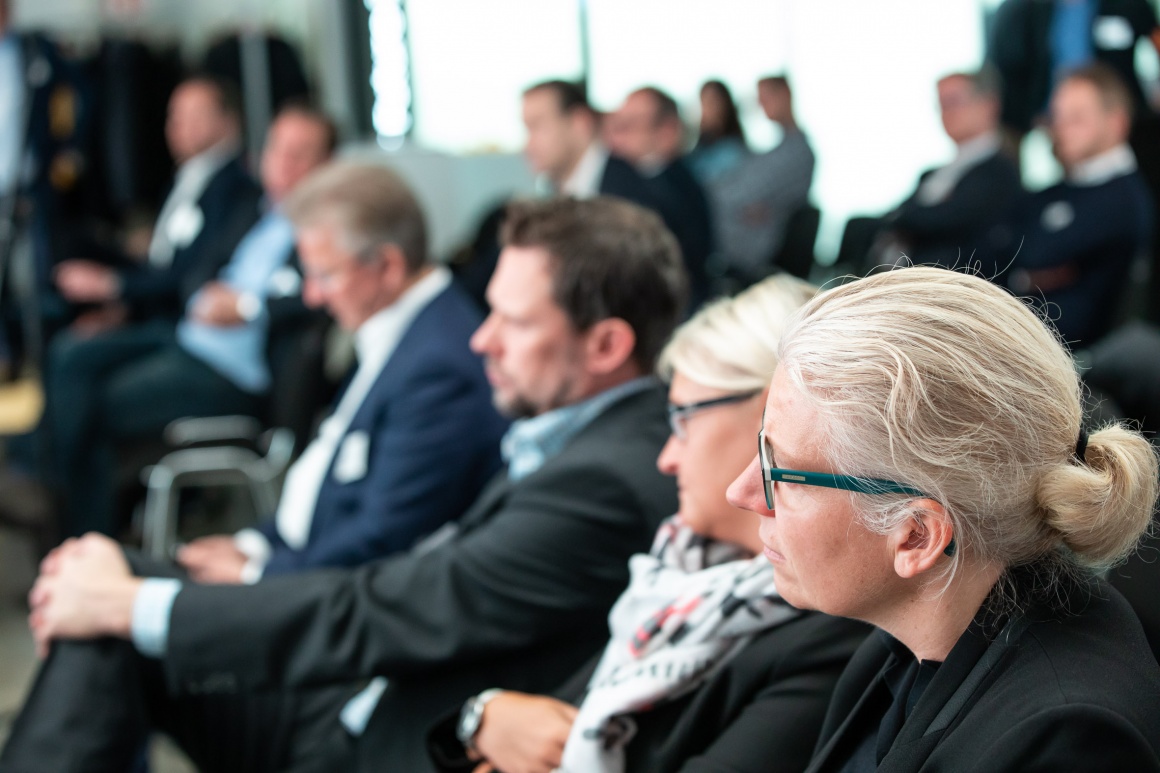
<point>217,304</point>
<point>85,590</point>
<point>213,560</point>
<point>109,316</point>
<point>523,733</point>
<point>84,281</point>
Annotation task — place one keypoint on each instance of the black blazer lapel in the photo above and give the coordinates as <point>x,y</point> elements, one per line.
<point>869,670</point>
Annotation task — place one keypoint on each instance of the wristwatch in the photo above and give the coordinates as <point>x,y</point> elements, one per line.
<point>470,717</point>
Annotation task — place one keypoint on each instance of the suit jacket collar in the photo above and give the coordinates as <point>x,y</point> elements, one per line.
<point>497,490</point>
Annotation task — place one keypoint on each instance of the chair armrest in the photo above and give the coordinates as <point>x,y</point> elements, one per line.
<point>212,429</point>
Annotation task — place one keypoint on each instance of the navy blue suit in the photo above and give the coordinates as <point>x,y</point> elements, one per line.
<point>433,443</point>
<point>229,208</point>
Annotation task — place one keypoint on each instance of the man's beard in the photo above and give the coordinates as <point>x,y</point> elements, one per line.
<point>521,406</point>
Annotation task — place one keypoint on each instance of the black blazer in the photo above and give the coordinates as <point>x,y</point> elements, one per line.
<point>517,597</point>
<point>229,206</point>
<point>1076,690</point>
<point>684,201</point>
<point>761,712</point>
<point>949,233</point>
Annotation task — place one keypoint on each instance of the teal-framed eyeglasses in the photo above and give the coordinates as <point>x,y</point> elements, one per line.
<point>679,413</point>
<point>771,475</point>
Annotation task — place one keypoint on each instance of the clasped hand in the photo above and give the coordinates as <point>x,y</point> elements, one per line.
<point>85,590</point>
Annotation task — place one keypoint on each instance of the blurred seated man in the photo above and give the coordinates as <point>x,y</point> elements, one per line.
<point>1071,246</point>
<point>647,131</point>
<point>955,206</point>
<point>211,205</point>
<point>755,201</point>
<point>261,677</point>
<point>396,459</point>
<point>565,149</point>
<point>133,382</point>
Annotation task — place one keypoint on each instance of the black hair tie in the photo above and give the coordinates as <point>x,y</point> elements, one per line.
<point>1081,446</point>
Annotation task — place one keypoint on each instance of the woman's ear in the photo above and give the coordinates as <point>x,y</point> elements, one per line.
<point>923,540</point>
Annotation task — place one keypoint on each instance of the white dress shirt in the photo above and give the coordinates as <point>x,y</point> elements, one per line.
<point>939,184</point>
<point>1103,168</point>
<point>375,341</point>
<point>180,219</point>
<point>584,182</point>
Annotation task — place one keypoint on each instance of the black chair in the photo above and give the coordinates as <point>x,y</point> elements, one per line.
<point>796,255</point>
<point>242,450</point>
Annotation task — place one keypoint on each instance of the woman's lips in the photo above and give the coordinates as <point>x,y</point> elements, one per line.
<point>773,555</point>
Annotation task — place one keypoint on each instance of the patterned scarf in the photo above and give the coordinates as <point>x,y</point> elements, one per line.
<point>691,605</point>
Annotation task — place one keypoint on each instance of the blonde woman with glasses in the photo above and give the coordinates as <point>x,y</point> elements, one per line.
<point>706,666</point>
<point>922,466</point>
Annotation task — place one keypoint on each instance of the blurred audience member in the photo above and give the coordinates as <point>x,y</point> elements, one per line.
<point>131,383</point>
<point>393,462</point>
<point>754,202</point>
<point>705,660</point>
<point>955,206</point>
<point>261,677</point>
<point>1072,245</point>
<point>721,140</point>
<point>47,110</point>
<point>1035,44</point>
<point>647,131</point>
<point>564,146</point>
<point>211,205</point>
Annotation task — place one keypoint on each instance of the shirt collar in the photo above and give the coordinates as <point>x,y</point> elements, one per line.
<point>531,442</point>
<point>978,148</point>
<point>1103,168</point>
<point>380,334</point>
<point>206,163</point>
<point>584,182</point>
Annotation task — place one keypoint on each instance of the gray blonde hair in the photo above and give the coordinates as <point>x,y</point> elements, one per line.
<point>947,383</point>
<point>731,344</point>
<point>368,203</point>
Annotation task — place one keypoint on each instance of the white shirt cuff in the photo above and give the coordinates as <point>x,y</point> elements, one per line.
<point>151,611</point>
<point>257,550</point>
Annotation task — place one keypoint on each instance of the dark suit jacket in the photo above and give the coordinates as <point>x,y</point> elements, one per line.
<point>431,439</point>
<point>229,207</point>
<point>1020,49</point>
<point>517,597</point>
<point>1077,690</point>
<point>950,232</point>
<point>683,199</point>
<point>761,712</point>
<point>1095,232</point>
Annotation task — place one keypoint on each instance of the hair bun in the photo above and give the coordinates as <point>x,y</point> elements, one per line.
<point>1102,507</point>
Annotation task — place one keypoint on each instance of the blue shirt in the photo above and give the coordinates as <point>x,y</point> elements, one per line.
<point>1070,37</point>
<point>531,442</point>
<point>238,352</point>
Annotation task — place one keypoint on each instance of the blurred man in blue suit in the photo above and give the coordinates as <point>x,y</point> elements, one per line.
<point>414,436</point>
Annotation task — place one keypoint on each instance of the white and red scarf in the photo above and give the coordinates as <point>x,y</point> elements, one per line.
<point>691,605</point>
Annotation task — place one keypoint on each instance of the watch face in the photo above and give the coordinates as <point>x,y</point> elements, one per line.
<point>468,721</point>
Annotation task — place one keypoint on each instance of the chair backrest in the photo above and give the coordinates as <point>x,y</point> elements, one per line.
<point>796,255</point>
<point>1138,580</point>
<point>299,387</point>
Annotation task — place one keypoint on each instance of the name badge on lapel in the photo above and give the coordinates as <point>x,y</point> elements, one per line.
<point>350,463</point>
<point>184,225</point>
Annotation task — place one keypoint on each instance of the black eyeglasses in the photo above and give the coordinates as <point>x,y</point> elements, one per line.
<point>679,413</point>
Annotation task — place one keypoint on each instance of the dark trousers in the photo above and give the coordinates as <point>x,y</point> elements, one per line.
<point>94,703</point>
<point>125,385</point>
